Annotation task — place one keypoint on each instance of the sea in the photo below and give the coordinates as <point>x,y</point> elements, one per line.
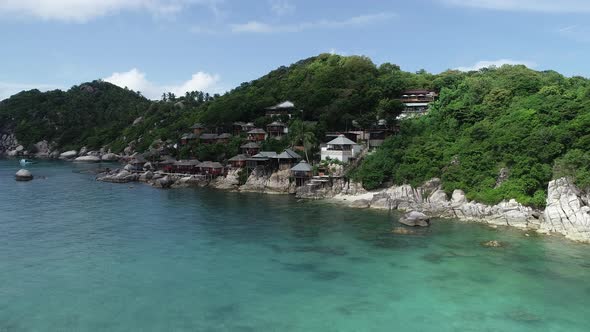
<point>82,255</point>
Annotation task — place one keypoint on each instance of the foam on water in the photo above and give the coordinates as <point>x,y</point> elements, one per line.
<point>81,255</point>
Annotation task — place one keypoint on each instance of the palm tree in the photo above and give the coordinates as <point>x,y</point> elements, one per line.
<point>299,133</point>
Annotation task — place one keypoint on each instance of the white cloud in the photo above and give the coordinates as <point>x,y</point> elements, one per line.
<point>497,63</point>
<point>81,11</point>
<point>137,81</point>
<point>281,7</point>
<point>8,89</point>
<point>261,27</point>
<point>576,33</point>
<point>547,6</point>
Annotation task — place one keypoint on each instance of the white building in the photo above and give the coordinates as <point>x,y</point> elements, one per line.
<point>340,148</point>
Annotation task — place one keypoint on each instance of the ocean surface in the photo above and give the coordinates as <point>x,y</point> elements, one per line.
<point>80,255</point>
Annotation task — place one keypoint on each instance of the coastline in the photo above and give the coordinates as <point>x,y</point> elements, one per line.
<point>566,213</point>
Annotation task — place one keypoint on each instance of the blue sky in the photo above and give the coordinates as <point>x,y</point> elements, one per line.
<point>213,45</point>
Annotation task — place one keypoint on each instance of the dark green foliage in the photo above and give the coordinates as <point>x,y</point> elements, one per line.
<point>91,114</point>
<point>484,121</point>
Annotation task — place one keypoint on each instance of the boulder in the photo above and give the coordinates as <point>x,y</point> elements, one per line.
<point>68,154</point>
<point>83,151</point>
<point>415,218</point>
<point>54,154</point>
<point>42,149</point>
<point>145,177</point>
<point>109,157</point>
<point>164,183</point>
<point>23,175</point>
<point>360,204</point>
<point>87,159</point>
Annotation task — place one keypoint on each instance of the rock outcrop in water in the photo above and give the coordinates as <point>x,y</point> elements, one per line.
<point>23,175</point>
<point>567,211</point>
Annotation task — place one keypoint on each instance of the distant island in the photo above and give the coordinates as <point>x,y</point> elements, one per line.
<point>511,138</point>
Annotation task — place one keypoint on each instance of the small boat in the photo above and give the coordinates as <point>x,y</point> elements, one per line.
<point>25,162</point>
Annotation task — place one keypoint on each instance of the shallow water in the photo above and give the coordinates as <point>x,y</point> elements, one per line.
<point>80,255</point>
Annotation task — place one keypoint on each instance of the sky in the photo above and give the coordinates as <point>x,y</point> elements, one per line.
<point>155,46</point>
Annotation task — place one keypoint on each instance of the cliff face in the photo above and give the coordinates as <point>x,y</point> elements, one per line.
<point>567,211</point>
<point>275,183</point>
<point>8,143</point>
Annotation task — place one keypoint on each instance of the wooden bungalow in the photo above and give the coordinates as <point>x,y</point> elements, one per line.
<point>256,135</point>
<point>277,129</point>
<point>262,160</point>
<point>186,166</point>
<point>238,161</point>
<point>198,129</point>
<point>302,172</point>
<point>208,138</point>
<point>165,163</point>
<point>250,148</point>
<point>137,163</point>
<point>242,127</point>
<point>188,138</point>
<point>224,138</point>
<point>211,168</point>
<point>287,159</point>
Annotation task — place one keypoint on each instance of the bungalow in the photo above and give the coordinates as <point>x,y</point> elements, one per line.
<point>208,138</point>
<point>301,172</point>
<point>250,148</point>
<point>186,166</point>
<point>198,129</point>
<point>137,163</point>
<point>238,161</point>
<point>340,148</point>
<point>262,160</point>
<point>223,138</point>
<point>277,129</point>
<point>287,159</point>
<point>242,127</point>
<point>417,102</point>
<point>211,168</point>
<point>166,163</point>
<point>187,138</point>
<point>256,135</point>
<point>285,108</point>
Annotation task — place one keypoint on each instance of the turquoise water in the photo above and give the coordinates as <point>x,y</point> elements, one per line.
<point>80,255</point>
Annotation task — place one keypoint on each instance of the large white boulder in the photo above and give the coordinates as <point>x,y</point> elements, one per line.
<point>87,159</point>
<point>68,154</point>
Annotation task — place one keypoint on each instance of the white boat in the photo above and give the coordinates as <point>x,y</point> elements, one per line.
<point>25,162</point>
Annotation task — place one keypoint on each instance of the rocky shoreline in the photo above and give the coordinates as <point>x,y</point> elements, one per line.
<point>567,209</point>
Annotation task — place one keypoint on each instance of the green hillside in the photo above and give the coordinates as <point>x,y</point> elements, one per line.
<point>534,125</point>
<point>530,126</point>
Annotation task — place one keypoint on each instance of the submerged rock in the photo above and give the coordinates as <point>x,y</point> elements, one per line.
<point>360,204</point>
<point>415,218</point>
<point>492,244</point>
<point>23,175</point>
<point>403,231</point>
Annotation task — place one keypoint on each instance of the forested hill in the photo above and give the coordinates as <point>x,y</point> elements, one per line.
<point>497,134</point>
<point>92,114</point>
